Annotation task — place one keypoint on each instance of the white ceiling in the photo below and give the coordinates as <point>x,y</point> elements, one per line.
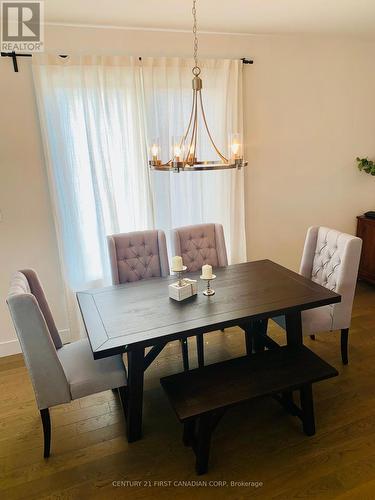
<point>349,17</point>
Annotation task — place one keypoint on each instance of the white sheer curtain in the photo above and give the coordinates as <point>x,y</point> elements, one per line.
<point>91,115</point>
<point>98,115</point>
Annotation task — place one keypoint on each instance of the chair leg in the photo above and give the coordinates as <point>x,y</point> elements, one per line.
<point>200,350</point>
<point>312,337</point>
<point>344,345</point>
<point>185,354</point>
<point>46,421</point>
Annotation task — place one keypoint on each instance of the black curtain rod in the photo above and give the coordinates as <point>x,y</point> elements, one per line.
<point>14,56</point>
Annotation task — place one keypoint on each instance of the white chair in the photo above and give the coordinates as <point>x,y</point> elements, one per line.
<point>59,373</point>
<point>331,259</point>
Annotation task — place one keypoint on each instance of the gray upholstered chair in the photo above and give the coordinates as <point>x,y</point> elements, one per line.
<point>331,259</point>
<point>59,373</point>
<point>198,245</point>
<point>137,256</point>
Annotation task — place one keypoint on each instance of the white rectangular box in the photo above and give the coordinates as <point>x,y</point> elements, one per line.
<point>188,289</point>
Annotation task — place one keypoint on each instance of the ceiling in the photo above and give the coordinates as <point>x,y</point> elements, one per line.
<point>348,17</point>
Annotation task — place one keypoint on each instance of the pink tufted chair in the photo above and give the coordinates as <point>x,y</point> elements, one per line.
<point>138,255</point>
<point>331,259</point>
<point>198,245</point>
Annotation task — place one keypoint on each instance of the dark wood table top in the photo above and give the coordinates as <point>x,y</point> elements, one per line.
<point>140,314</point>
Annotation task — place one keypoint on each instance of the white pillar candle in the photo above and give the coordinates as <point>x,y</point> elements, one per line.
<point>207,272</point>
<point>177,263</point>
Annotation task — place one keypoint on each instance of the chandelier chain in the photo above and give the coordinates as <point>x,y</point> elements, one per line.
<point>194,12</point>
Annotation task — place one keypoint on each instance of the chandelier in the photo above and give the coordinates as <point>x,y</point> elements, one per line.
<point>184,149</point>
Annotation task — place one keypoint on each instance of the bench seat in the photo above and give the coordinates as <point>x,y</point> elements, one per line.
<point>200,397</point>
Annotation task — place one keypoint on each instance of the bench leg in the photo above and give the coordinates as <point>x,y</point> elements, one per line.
<point>189,431</point>
<point>307,407</point>
<point>200,350</point>
<point>286,400</point>
<point>202,444</point>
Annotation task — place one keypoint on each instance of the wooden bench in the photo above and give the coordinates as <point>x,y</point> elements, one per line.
<point>201,396</point>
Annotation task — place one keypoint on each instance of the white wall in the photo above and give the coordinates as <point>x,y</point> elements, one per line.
<point>309,109</point>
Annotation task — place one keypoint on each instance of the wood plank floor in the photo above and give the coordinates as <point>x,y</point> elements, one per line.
<point>256,443</point>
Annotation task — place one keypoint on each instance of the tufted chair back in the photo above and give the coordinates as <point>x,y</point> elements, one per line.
<point>138,255</point>
<point>38,346</point>
<point>200,244</point>
<point>331,259</point>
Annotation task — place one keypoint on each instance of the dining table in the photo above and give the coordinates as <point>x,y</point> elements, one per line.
<point>139,318</point>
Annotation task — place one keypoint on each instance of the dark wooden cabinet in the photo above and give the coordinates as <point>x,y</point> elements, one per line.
<point>366,231</point>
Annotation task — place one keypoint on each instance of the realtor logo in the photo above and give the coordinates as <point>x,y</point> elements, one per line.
<point>22,26</point>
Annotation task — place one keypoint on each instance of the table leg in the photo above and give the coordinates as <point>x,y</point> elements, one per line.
<point>135,394</point>
<point>260,332</point>
<point>255,335</point>
<point>293,323</point>
<point>200,350</point>
<point>249,338</point>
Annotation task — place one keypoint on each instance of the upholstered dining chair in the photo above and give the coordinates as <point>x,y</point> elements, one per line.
<point>137,256</point>
<point>198,245</point>
<point>330,258</point>
<point>59,373</point>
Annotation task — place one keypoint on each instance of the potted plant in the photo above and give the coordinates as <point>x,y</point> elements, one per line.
<point>366,165</point>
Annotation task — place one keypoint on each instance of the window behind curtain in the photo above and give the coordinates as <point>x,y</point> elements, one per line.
<point>98,114</point>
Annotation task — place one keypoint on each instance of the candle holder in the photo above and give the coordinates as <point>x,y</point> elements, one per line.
<point>179,273</point>
<point>208,291</point>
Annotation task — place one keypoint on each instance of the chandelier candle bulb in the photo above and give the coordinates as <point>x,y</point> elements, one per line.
<point>154,152</point>
<point>207,272</point>
<point>177,153</point>
<point>177,265</point>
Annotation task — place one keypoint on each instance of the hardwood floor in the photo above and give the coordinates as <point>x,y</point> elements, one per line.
<point>257,442</point>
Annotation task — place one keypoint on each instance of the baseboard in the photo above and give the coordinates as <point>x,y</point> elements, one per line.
<point>65,336</point>
<point>11,347</point>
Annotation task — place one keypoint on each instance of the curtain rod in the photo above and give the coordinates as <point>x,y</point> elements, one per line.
<point>14,56</point>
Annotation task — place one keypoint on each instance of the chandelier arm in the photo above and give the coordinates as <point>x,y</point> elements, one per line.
<point>195,141</point>
<point>208,131</point>
<point>194,130</point>
<point>190,119</point>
